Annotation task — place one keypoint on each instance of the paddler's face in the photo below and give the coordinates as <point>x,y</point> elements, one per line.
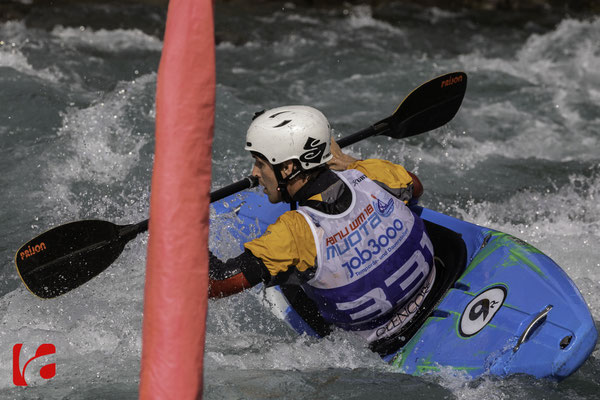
<point>266,178</point>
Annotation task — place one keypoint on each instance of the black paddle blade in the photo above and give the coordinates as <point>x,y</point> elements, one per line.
<point>68,256</point>
<point>428,107</point>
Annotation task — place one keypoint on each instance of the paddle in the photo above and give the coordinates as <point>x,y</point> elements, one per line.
<point>426,108</point>
<point>69,255</point>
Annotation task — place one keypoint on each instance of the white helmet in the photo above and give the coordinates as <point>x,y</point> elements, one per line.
<point>291,133</point>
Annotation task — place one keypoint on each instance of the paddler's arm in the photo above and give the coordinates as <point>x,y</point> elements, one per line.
<point>342,161</point>
<point>234,275</point>
<point>286,246</point>
<point>417,188</point>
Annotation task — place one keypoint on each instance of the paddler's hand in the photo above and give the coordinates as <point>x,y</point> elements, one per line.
<point>340,161</point>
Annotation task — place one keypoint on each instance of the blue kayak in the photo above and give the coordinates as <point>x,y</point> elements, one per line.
<point>498,306</point>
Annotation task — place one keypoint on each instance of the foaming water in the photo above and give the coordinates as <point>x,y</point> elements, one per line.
<point>561,70</point>
<point>104,144</point>
<point>77,142</point>
<point>241,335</point>
<point>13,36</point>
<point>108,40</point>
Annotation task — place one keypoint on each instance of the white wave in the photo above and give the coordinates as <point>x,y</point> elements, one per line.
<point>560,72</point>
<point>108,40</point>
<point>568,54</point>
<point>97,143</point>
<point>239,326</point>
<point>342,350</point>
<point>14,37</point>
<point>567,59</point>
<point>573,43</point>
<point>14,31</point>
<point>437,15</point>
<point>287,14</point>
<point>530,137</point>
<point>361,16</point>
<point>534,138</point>
<point>564,62</point>
<point>303,19</point>
<point>570,210</point>
<point>15,59</point>
<point>225,46</point>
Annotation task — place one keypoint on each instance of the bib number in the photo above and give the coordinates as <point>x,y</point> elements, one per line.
<point>379,298</point>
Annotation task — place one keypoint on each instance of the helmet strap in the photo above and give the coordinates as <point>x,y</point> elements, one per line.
<point>283,182</point>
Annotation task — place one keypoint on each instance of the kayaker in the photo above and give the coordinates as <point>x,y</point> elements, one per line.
<point>352,245</point>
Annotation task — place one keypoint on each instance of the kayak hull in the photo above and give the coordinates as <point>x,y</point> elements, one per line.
<point>512,310</point>
<point>543,313</point>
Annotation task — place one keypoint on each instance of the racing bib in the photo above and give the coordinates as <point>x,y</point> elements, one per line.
<point>370,259</point>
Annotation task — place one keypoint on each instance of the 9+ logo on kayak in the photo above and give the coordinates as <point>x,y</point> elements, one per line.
<point>480,311</point>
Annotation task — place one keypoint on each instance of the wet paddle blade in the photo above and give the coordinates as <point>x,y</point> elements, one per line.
<point>69,255</point>
<point>426,108</point>
<point>431,105</point>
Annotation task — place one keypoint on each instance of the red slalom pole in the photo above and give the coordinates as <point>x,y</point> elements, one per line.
<point>176,291</point>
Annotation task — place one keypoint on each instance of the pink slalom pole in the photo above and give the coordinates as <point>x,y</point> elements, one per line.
<point>176,292</point>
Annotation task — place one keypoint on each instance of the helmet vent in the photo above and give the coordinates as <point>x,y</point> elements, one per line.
<point>287,121</point>
<point>276,114</point>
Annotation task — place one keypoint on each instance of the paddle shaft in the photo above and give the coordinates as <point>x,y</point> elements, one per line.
<point>128,232</point>
<point>372,130</point>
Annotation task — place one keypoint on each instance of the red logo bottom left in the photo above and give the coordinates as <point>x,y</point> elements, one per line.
<point>48,371</point>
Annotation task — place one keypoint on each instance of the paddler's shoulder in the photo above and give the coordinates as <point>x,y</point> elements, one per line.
<point>292,219</point>
<point>386,172</point>
<point>290,223</point>
<point>287,241</point>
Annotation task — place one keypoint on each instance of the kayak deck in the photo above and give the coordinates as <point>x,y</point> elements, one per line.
<point>542,328</point>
